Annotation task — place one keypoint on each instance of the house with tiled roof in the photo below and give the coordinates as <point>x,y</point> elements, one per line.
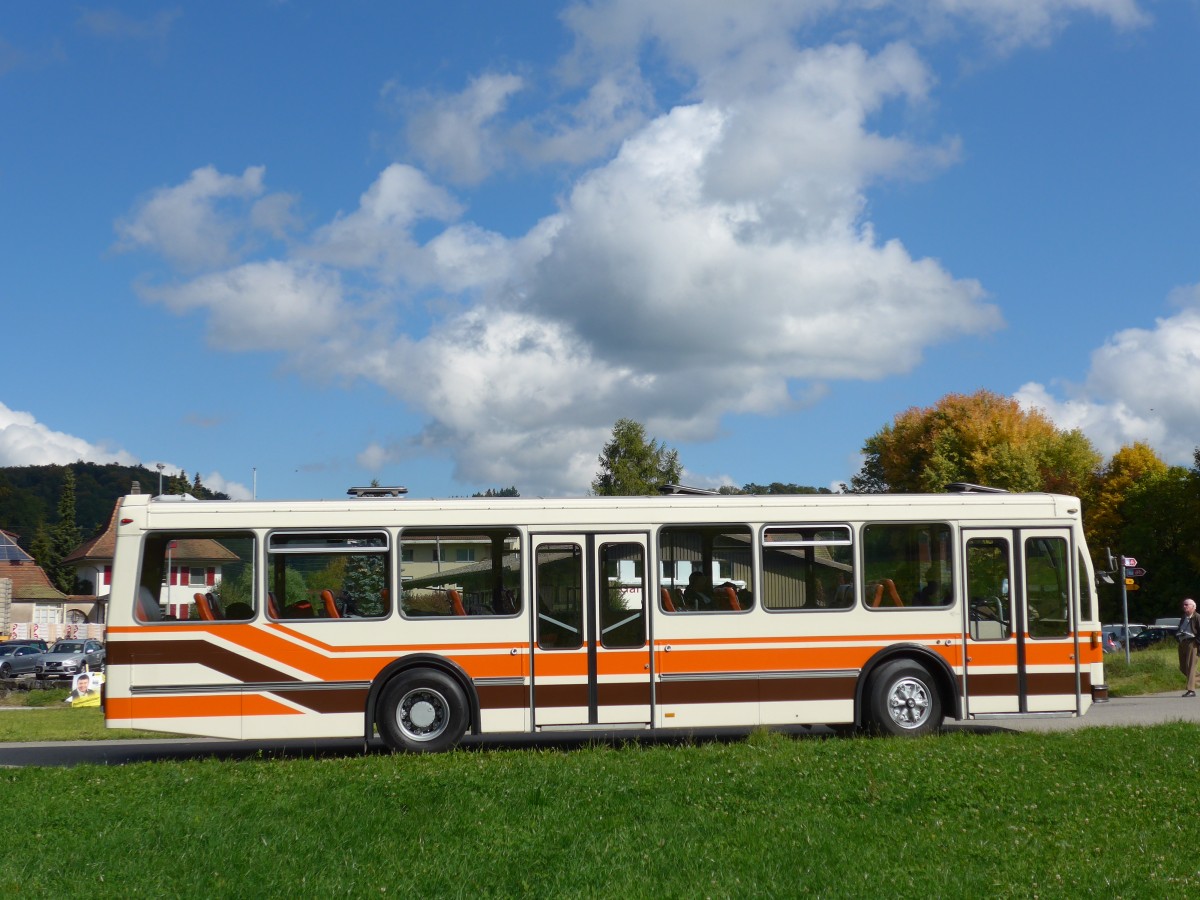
<point>193,565</point>
<point>92,561</point>
<point>27,597</point>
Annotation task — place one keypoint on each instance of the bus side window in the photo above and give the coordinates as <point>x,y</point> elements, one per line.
<point>328,575</point>
<point>706,569</point>
<point>200,576</point>
<point>460,574</point>
<point>907,565</point>
<point>808,567</point>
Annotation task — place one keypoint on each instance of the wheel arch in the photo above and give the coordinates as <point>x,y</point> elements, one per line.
<point>421,661</point>
<point>943,677</point>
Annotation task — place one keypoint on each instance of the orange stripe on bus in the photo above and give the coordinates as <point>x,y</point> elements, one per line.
<point>384,648</point>
<point>812,639</point>
<point>195,706</point>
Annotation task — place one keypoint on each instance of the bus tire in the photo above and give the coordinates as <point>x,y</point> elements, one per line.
<point>422,711</point>
<point>904,699</point>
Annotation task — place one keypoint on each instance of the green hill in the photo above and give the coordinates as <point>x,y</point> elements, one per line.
<point>29,494</point>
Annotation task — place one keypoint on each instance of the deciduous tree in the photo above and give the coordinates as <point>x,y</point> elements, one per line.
<point>1131,467</point>
<point>980,438</point>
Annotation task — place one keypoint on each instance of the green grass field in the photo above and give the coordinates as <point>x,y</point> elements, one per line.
<point>1147,672</point>
<point>1095,812</point>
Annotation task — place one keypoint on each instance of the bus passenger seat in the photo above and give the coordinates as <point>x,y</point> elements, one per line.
<point>147,608</point>
<point>731,597</point>
<point>456,602</point>
<point>331,609</point>
<point>203,608</point>
<point>891,593</point>
<point>667,604</point>
<point>272,606</point>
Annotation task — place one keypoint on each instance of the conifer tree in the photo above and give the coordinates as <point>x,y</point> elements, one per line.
<point>65,536</point>
<point>632,465</point>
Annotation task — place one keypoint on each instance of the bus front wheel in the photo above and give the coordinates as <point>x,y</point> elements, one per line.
<point>422,711</point>
<point>904,699</point>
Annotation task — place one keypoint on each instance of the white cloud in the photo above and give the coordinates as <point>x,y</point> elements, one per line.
<point>703,35</point>
<point>214,481</point>
<point>1012,23</point>
<point>1143,385</point>
<point>271,305</point>
<point>612,108</point>
<point>24,441</point>
<point>654,268</point>
<point>454,135</point>
<point>197,224</point>
<point>378,235</point>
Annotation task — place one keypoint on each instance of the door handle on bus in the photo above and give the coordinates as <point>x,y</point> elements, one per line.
<point>513,651</point>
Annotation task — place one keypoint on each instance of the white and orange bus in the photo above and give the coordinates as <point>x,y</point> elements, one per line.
<point>423,620</point>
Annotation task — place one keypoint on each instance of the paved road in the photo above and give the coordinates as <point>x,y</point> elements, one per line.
<point>1148,710</point>
<point>1151,709</point>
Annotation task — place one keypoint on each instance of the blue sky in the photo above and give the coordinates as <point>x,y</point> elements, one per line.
<point>449,245</point>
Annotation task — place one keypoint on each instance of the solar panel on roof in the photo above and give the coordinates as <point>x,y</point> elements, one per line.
<point>9,551</point>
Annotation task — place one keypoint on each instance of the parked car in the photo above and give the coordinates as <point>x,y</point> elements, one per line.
<point>1150,637</point>
<point>41,645</point>
<point>67,658</point>
<point>1108,642</point>
<point>18,659</point>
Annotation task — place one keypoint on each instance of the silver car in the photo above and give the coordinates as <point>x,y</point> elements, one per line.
<point>18,659</point>
<point>68,658</point>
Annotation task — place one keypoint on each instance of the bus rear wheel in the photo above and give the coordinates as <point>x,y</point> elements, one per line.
<point>904,699</point>
<point>423,711</point>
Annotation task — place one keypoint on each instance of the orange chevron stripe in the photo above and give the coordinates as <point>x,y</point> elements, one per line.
<point>195,706</point>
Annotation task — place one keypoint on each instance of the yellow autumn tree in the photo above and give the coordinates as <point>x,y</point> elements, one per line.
<point>981,438</point>
<point>1131,466</point>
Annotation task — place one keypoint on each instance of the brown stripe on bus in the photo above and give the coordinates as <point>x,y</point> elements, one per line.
<point>153,653</point>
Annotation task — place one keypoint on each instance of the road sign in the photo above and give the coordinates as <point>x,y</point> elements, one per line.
<point>1133,587</point>
<point>1129,581</point>
<point>1135,572</point>
<point>1128,561</point>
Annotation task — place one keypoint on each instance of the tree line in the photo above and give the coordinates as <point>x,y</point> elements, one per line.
<point>50,510</point>
<point>1133,503</point>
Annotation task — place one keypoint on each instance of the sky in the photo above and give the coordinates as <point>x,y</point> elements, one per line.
<point>295,246</point>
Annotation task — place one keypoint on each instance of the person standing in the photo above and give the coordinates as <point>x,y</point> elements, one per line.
<point>1188,636</point>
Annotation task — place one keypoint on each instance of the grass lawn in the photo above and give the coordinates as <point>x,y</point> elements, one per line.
<point>1150,671</point>
<point>45,717</point>
<point>1098,812</point>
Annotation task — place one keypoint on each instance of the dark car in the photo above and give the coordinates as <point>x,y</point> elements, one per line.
<point>41,645</point>
<point>18,659</point>
<point>1150,637</point>
<point>68,658</point>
